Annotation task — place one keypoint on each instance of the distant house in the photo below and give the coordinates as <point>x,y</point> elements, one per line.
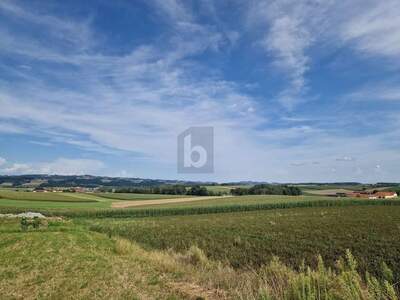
<point>385,195</point>
<point>376,195</point>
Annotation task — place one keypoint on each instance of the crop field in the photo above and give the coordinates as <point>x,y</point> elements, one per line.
<point>326,191</point>
<point>224,188</point>
<point>31,196</point>
<point>218,251</point>
<point>253,238</point>
<point>31,200</point>
<point>243,200</point>
<point>135,197</point>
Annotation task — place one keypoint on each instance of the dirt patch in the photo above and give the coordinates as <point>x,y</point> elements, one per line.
<point>124,204</point>
<point>327,192</point>
<point>194,292</point>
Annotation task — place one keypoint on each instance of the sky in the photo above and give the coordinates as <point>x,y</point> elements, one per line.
<point>296,91</point>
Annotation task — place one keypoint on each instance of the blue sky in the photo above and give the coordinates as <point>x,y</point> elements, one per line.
<point>295,90</point>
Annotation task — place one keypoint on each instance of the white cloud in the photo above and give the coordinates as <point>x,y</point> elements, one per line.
<point>376,92</point>
<point>374,28</point>
<point>345,158</point>
<point>7,127</point>
<point>2,161</point>
<point>292,28</point>
<point>17,168</point>
<point>61,166</point>
<point>287,40</point>
<point>68,32</point>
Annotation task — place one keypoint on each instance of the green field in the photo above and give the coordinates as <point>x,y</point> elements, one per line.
<point>134,197</point>
<point>194,249</point>
<point>54,197</point>
<point>30,200</point>
<point>67,259</point>
<point>242,200</point>
<point>253,238</point>
<point>224,188</point>
<point>221,249</point>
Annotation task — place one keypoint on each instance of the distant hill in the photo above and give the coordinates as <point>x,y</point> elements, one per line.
<point>85,181</point>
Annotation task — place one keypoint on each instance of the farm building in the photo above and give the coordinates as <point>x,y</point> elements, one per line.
<point>376,195</point>
<point>385,195</point>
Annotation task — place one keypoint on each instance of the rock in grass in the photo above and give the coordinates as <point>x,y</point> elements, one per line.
<point>29,214</point>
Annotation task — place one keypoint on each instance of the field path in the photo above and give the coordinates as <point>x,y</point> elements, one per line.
<point>125,204</point>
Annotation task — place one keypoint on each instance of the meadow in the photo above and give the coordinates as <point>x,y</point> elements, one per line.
<point>21,199</point>
<point>31,196</point>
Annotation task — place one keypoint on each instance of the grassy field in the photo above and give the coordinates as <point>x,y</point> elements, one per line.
<point>253,238</point>
<point>221,248</point>
<point>67,261</point>
<point>135,197</point>
<point>224,188</point>
<point>54,197</point>
<point>30,200</point>
<point>243,200</point>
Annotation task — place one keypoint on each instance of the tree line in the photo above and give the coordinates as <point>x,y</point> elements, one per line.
<point>176,189</point>
<point>267,189</point>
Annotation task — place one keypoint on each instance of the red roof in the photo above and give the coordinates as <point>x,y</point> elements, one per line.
<point>383,194</point>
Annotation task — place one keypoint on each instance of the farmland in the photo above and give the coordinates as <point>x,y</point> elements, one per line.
<point>253,238</point>
<point>31,200</point>
<point>54,197</point>
<point>134,197</point>
<point>219,248</point>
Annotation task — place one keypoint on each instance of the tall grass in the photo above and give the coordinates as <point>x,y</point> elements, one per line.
<point>277,281</point>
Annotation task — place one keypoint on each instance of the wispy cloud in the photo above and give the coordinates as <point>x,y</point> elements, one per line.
<point>291,29</point>
<point>376,92</point>
<point>62,166</point>
<point>374,28</point>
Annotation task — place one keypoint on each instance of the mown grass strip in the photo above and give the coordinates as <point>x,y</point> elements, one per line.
<point>154,212</point>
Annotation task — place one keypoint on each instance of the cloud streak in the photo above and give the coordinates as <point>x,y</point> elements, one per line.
<point>60,166</point>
